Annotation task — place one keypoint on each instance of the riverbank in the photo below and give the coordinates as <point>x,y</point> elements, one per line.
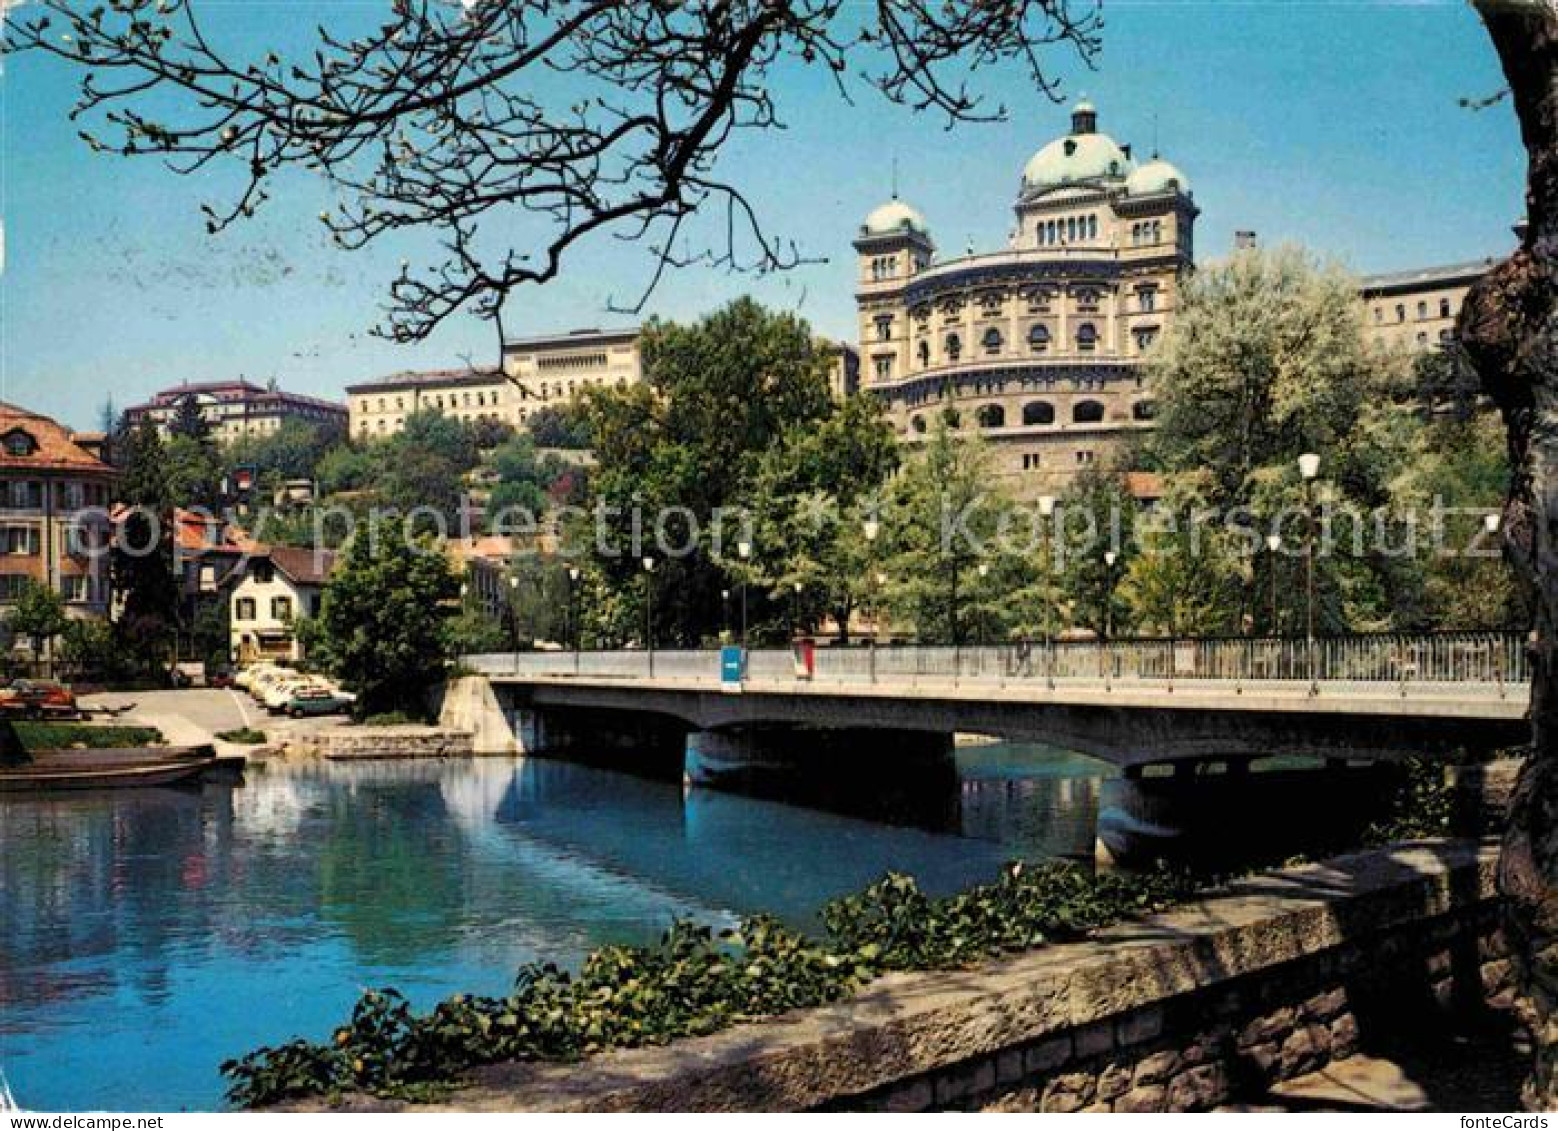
<point>1210,1004</point>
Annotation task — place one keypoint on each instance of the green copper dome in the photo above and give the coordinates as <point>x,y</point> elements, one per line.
<point>1156,175</point>
<point>892,217</point>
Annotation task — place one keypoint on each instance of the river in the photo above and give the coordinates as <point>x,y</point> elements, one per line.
<point>146,936</point>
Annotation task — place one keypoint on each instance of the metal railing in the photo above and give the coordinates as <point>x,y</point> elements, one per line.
<point>1480,663</point>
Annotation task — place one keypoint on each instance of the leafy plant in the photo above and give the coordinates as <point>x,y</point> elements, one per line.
<point>694,982</point>
<point>243,736</point>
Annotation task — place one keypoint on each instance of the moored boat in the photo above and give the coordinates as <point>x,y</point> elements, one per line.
<point>107,769</point>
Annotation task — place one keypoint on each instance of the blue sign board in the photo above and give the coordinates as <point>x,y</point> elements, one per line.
<point>732,665</point>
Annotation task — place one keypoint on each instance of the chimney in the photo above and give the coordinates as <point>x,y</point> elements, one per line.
<point>1244,240</point>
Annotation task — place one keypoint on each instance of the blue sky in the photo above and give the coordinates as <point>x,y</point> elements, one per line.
<point>1332,125</point>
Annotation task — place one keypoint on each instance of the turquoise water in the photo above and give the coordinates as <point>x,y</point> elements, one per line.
<point>145,936</point>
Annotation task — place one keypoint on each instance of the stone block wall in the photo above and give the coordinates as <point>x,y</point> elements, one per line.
<point>1233,1040</point>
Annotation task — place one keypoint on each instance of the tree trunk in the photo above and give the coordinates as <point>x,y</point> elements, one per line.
<point>1509,327</point>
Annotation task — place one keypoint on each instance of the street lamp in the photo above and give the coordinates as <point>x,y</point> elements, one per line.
<point>649,611</point>
<point>514,615</point>
<point>1491,522</point>
<point>1309,470</point>
<point>724,612</point>
<point>1047,512</point>
<point>1110,557</point>
<point>1273,544</point>
<point>984,627</point>
<point>575,628</point>
<point>795,613</point>
<point>744,552</point>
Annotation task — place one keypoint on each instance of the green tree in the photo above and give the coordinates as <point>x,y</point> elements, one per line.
<point>38,616</point>
<point>681,449</point>
<point>293,451</point>
<point>194,471</point>
<point>559,427</point>
<point>1267,359</point>
<point>525,482</point>
<point>189,421</point>
<point>142,558</point>
<point>381,624</point>
<point>1096,517</point>
<point>815,491</point>
<point>944,520</point>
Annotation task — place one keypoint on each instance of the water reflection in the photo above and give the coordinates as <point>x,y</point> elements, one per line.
<point>147,935</point>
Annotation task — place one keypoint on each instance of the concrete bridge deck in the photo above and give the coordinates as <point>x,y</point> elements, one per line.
<point>1131,703</point>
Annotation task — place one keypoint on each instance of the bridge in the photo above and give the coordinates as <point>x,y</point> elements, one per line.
<point>843,726</point>
<point>1131,703</point>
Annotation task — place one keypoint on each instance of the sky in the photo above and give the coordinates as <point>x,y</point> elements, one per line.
<point>1336,126</point>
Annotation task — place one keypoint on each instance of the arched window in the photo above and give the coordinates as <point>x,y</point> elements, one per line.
<point>1038,338</point>
<point>991,416</point>
<point>1087,337</point>
<point>1143,410</point>
<point>954,346</point>
<point>1087,412</point>
<point>1038,412</point>
<point>991,340</point>
<point>924,351</point>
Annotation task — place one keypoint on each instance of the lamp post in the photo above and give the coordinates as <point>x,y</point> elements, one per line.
<point>1309,470</point>
<point>1110,557</point>
<point>871,528</point>
<point>514,616</point>
<point>984,626</point>
<point>1047,513</point>
<point>795,613</point>
<point>575,629</point>
<point>724,612</point>
<point>1273,544</point>
<point>649,611</point>
<point>744,552</point>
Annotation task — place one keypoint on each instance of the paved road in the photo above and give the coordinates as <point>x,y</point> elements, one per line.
<point>196,716</point>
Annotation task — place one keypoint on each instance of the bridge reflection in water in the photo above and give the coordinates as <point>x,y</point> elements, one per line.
<point>137,926</point>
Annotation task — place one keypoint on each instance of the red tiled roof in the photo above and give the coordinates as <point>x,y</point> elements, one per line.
<point>56,448</point>
<point>1144,484</point>
<point>302,565</point>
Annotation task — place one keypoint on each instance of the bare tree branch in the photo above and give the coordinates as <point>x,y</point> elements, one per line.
<point>585,116</point>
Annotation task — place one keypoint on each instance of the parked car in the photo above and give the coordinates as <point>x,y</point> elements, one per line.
<point>38,699</point>
<point>279,693</point>
<point>317,701</point>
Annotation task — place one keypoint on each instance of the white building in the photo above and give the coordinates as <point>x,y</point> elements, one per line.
<point>237,409</point>
<point>278,588</point>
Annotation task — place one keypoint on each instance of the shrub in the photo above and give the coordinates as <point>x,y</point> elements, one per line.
<point>243,736</point>
<point>695,982</point>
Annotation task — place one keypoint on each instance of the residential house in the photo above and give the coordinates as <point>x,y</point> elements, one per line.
<point>279,587</point>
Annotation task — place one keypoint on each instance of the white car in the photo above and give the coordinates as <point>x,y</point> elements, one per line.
<point>280,693</point>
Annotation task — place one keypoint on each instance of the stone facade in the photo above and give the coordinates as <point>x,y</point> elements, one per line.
<point>54,517</point>
<point>548,372</point>
<point>1038,347</point>
<point>238,409</point>
<point>1416,310</point>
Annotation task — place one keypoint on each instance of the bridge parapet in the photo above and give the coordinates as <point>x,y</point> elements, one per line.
<point>1463,665</point>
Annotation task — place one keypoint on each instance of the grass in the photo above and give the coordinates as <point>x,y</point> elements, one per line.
<point>243,736</point>
<point>65,736</point>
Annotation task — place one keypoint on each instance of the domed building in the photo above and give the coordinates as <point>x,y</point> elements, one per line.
<point>1038,347</point>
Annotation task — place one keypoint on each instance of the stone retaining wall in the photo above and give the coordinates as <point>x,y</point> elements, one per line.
<point>382,742</point>
<point>1182,1011</point>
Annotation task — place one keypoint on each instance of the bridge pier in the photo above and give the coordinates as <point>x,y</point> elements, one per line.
<point>905,777</point>
<point>1223,819</point>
